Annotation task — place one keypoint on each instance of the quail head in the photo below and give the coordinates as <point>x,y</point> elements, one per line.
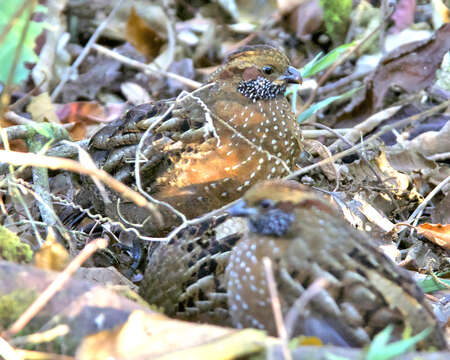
<point>205,148</point>
<point>306,239</point>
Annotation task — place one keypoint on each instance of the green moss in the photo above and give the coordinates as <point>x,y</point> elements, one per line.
<point>336,15</point>
<point>12,249</point>
<point>12,305</point>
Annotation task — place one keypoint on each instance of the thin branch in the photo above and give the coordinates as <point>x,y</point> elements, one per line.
<point>42,337</point>
<point>55,163</point>
<point>7,352</point>
<point>276,308</point>
<point>371,139</point>
<point>85,51</point>
<point>435,277</point>
<point>366,126</point>
<point>300,304</point>
<point>149,70</point>
<point>314,134</point>
<point>414,218</point>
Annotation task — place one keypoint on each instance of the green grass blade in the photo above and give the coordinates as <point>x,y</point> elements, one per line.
<point>380,349</point>
<point>320,63</point>
<point>321,104</point>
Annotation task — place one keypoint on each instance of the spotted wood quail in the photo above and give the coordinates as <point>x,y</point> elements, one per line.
<point>306,239</point>
<point>213,271</point>
<point>185,276</point>
<point>207,147</point>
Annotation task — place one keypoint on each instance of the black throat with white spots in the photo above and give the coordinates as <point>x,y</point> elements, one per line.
<point>260,89</point>
<point>274,222</point>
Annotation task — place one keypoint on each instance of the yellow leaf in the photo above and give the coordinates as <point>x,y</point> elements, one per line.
<point>52,255</point>
<point>42,109</point>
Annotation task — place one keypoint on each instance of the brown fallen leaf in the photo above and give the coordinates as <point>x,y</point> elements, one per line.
<point>411,67</point>
<point>142,36</point>
<point>437,233</point>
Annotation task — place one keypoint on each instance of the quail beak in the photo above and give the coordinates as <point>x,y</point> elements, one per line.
<point>291,76</point>
<point>241,209</point>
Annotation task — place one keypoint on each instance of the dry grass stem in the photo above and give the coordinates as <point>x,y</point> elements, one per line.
<point>55,163</point>
<point>276,308</point>
<point>7,352</point>
<point>42,337</point>
<point>299,305</point>
<point>56,285</point>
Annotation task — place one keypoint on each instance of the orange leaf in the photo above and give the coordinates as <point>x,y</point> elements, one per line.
<point>84,111</point>
<point>145,39</point>
<point>437,233</point>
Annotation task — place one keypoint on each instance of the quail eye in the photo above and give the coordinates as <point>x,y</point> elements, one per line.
<point>266,203</point>
<point>267,70</point>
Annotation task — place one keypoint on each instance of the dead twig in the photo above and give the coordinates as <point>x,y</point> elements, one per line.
<point>414,218</point>
<point>149,70</point>
<point>42,337</point>
<point>314,134</point>
<point>299,305</point>
<point>276,308</point>
<point>365,127</point>
<point>435,277</point>
<point>55,286</point>
<point>371,139</point>
<point>7,352</point>
<point>55,163</point>
<point>85,51</point>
